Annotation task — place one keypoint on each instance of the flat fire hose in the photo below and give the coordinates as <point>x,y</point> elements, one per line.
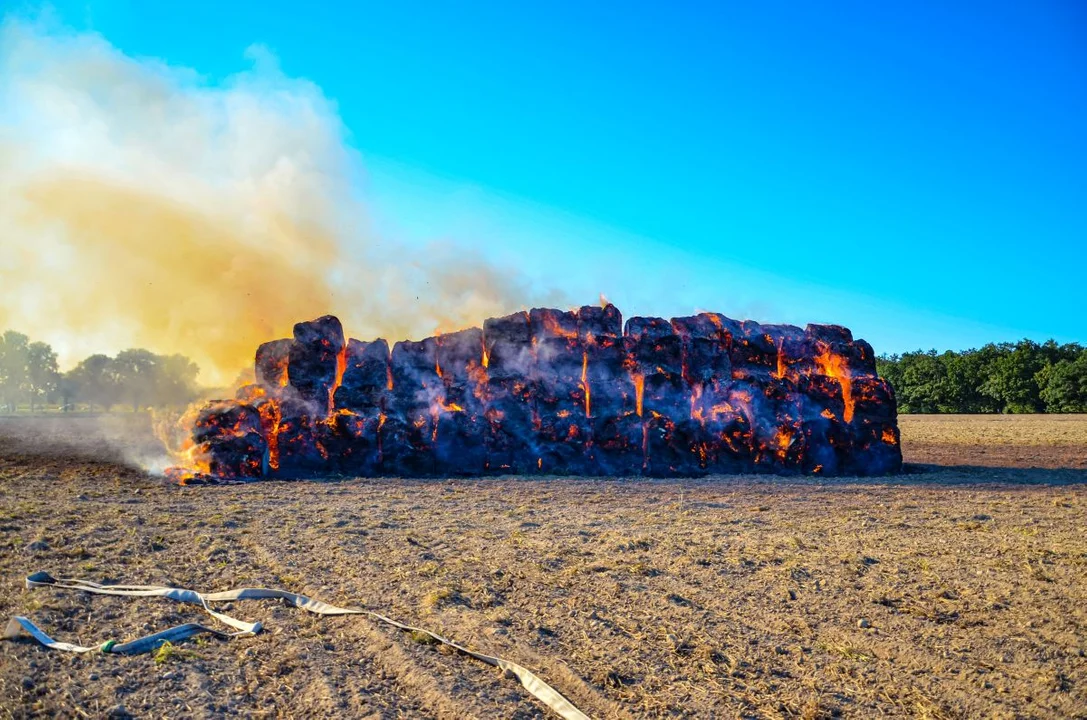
<point>541,690</point>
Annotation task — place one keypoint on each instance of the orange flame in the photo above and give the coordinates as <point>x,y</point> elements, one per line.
<point>639,391</point>
<point>477,376</point>
<point>696,408</point>
<point>341,367</point>
<point>281,368</point>
<point>784,439</point>
<point>781,360</point>
<point>889,436</point>
<point>552,324</point>
<point>833,365</point>
<point>585,381</point>
<point>270,417</point>
<point>721,409</point>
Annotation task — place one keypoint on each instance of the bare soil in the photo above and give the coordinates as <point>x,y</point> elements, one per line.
<point>957,589</point>
<point>996,441</point>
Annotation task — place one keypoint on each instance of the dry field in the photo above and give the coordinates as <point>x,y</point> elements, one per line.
<point>958,589</point>
<point>1015,441</point>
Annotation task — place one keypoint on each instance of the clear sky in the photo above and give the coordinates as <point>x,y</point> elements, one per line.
<point>916,170</point>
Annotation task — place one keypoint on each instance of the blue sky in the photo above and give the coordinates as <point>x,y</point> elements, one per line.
<point>915,170</point>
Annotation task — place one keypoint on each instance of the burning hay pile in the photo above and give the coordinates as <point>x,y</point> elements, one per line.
<point>552,392</point>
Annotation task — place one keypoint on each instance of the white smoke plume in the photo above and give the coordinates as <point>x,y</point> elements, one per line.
<point>142,205</point>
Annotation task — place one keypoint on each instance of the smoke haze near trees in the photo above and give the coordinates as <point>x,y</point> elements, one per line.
<point>134,379</point>
<point>144,205</point>
<point>1023,377</point>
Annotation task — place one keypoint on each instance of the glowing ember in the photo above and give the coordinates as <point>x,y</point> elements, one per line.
<point>784,439</point>
<point>710,395</point>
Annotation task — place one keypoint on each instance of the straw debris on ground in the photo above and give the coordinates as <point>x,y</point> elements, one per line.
<point>957,589</point>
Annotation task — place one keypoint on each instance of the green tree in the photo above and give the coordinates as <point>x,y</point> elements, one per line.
<point>965,373</point>
<point>924,380</point>
<point>889,367</point>
<point>136,371</point>
<point>93,382</point>
<point>1012,379</point>
<point>1064,385</point>
<point>41,372</point>
<point>14,361</point>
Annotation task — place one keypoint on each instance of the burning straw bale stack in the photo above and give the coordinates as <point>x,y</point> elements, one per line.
<point>553,392</point>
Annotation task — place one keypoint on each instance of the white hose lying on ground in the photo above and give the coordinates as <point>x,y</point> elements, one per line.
<point>541,690</point>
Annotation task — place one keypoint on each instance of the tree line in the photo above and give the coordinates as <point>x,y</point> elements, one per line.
<point>1022,377</point>
<point>135,378</point>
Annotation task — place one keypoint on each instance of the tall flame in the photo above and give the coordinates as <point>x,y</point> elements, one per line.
<point>833,365</point>
<point>585,381</point>
<point>781,360</point>
<point>696,403</point>
<point>341,367</point>
<point>270,417</point>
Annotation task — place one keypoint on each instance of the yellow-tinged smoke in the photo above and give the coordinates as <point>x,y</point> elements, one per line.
<point>143,206</point>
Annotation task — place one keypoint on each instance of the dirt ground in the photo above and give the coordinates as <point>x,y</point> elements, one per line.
<point>958,589</point>
<point>1009,441</point>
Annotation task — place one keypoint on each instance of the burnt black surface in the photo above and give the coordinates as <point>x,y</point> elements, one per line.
<point>560,392</point>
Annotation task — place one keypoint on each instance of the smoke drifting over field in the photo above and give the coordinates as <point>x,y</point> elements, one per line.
<point>143,205</point>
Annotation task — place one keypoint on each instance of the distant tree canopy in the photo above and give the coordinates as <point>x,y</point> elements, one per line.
<point>1022,377</point>
<point>135,378</point>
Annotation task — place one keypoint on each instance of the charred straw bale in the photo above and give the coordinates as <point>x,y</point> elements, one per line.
<point>366,377</point>
<point>271,364</point>
<point>315,359</point>
<point>560,392</point>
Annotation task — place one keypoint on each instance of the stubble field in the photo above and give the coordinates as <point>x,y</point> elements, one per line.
<point>957,589</point>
